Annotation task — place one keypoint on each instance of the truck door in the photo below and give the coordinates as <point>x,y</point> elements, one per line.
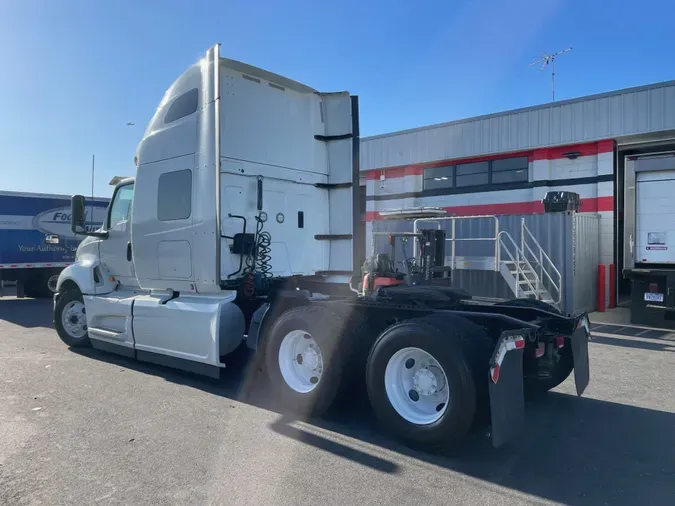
<point>115,250</point>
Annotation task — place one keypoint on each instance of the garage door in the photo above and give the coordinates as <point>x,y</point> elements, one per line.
<point>655,217</point>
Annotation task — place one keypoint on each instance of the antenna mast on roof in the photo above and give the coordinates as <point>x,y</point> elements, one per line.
<point>545,60</point>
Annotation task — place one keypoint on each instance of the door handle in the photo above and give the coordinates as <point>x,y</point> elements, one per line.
<point>129,251</point>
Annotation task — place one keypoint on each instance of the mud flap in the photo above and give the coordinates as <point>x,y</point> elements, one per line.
<point>507,397</point>
<point>580,356</point>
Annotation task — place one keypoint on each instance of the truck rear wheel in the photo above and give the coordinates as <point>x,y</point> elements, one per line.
<point>304,358</point>
<point>534,385</point>
<point>70,319</point>
<point>427,377</point>
<point>50,285</point>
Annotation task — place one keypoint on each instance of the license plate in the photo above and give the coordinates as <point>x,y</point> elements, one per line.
<point>653,297</point>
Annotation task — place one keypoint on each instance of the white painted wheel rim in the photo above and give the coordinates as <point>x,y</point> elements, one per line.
<point>300,361</point>
<point>51,283</point>
<point>74,319</point>
<point>416,386</point>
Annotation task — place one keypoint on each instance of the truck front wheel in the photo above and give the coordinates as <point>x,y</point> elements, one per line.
<point>70,319</point>
<point>304,359</point>
<point>427,377</point>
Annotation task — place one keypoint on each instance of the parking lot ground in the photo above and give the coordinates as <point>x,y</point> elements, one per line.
<point>87,427</point>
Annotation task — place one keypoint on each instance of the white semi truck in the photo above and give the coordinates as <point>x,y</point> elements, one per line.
<point>238,229</point>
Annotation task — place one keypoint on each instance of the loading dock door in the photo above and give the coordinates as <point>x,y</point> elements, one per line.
<point>655,217</point>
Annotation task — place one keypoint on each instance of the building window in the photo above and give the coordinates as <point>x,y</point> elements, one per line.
<point>505,170</point>
<point>473,174</point>
<point>182,106</point>
<point>510,170</point>
<point>439,177</point>
<point>174,195</point>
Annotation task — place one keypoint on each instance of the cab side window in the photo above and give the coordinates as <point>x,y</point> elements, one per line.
<point>120,210</point>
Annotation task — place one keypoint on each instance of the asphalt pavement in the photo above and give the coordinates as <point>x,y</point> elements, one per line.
<point>85,427</point>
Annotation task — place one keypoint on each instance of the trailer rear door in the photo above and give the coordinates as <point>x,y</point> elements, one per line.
<point>655,217</point>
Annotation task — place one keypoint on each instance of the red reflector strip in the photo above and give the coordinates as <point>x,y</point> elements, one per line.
<point>512,343</point>
<point>494,374</point>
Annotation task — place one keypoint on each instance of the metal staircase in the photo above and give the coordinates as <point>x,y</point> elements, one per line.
<point>524,265</point>
<point>527,268</point>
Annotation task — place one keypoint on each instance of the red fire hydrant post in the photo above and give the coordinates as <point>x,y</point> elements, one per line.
<point>612,285</point>
<point>601,288</point>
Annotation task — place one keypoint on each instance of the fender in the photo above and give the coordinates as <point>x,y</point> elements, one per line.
<point>254,327</point>
<point>82,274</point>
<point>265,314</point>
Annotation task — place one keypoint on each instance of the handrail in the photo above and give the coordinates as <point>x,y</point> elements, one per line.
<point>517,261</point>
<point>543,255</point>
<point>542,271</point>
<point>528,246</point>
<point>453,239</point>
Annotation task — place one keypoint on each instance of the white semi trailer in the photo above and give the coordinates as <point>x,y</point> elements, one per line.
<point>649,237</point>
<point>238,229</point>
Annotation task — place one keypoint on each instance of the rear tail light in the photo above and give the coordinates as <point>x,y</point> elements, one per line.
<point>541,349</point>
<point>559,341</point>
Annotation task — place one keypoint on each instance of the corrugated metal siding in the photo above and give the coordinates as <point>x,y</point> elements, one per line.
<point>586,253</point>
<point>626,112</point>
<point>571,240</point>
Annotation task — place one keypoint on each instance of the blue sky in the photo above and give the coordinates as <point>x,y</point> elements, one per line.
<point>74,72</point>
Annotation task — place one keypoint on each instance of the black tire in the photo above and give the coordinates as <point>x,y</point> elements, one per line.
<point>326,328</point>
<point>48,286</point>
<point>66,337</point>
<point>535,386</point>
<point>463,350</point>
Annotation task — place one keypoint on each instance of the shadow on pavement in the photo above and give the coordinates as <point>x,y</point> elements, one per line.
<point>27,312</point>
<point>283,427</point>
<point>577,451</point>
<point>634,343</point>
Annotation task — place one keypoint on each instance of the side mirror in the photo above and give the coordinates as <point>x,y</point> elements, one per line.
<point>77,215</point>
<point>52,239</point>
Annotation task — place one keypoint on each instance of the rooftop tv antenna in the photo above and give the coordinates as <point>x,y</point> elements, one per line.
<point>545,60</point>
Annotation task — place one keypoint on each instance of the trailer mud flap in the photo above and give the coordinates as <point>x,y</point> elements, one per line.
<point>580,356</point>
<point>507,398</point>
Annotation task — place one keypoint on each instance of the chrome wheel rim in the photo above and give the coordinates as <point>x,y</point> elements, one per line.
<point>51,283</point>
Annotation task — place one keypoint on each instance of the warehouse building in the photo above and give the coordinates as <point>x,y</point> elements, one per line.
<point>504,163</point>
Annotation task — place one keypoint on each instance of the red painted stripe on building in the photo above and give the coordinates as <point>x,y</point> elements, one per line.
<point>553,153</point>
<point>559,152</point>
<point>591,205</point>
